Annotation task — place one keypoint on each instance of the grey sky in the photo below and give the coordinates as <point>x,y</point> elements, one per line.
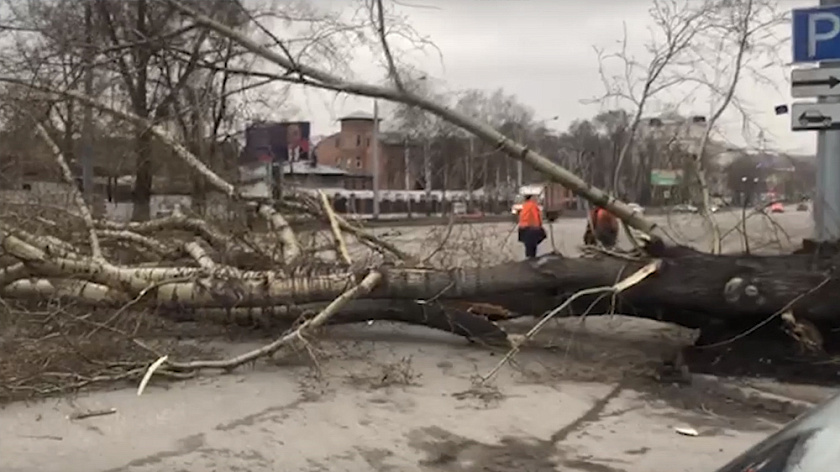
<point>542,51</point>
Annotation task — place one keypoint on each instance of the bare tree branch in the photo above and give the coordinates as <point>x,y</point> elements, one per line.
<point>321,79</point>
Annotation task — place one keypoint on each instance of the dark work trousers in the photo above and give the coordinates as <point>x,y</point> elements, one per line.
<point>530,249</point>
<point>531,238</point>
<point>607,237</point>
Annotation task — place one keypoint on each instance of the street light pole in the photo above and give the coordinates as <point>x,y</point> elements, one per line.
<point>427,174</point>
<point>375,141</point>
<point>87,122</point>
<point>827,200</point>
<point>469,174</point>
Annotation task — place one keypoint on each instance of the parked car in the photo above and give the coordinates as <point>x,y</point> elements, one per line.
<point>802,207</point>
<point>637,208</point>
<point>459,208</point>
<point>684,208</point>
<point>777,207</point>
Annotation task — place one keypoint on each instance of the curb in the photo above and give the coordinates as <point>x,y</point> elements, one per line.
<point>770,401</point>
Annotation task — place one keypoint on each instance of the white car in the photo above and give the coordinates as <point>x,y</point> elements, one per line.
<point>459,208</point>
<point>684,208</point>
<point>517,207</point>
<point>637,208</point>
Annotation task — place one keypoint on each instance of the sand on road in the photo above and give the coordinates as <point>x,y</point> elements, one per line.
<point>390,398</point>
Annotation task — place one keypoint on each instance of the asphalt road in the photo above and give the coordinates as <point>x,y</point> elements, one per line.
<point>381,405</point>
<point>489,242</point>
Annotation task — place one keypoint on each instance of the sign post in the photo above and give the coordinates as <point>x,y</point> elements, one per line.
<point>816,38</point>
<point>665,177</point>
<point>375,143</point>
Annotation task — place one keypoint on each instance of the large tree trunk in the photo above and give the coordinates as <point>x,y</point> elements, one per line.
<point>689,288</point>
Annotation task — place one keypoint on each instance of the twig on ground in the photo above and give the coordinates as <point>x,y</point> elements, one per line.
<point>91,414</point>
<point>84,211</point>
<point>364,287</point>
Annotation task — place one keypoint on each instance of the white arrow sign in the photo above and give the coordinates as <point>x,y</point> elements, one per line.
<point>815,82</point>
<point>815,116</point>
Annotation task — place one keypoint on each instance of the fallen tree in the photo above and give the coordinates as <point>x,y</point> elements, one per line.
<point>690,288</point>
<point>187,268</point>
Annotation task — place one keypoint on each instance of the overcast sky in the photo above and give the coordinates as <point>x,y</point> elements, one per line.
<point>542,51</point>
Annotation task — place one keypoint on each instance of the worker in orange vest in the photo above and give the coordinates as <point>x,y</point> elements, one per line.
<point>531,231</point>
<point>601,226</point>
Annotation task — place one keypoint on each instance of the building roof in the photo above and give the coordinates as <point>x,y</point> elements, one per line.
<point>306,168</point>
<point>393,138</point>
<point>358,115</point>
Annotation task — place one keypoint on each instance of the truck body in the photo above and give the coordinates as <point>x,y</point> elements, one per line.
<point>552,198</point>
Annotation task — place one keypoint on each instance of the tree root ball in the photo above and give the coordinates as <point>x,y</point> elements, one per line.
<point>766,351</point>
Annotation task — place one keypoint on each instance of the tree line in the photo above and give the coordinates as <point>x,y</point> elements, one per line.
<point>141,57</point>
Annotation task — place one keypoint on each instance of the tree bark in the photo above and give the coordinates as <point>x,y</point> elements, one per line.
<point>690,288</point>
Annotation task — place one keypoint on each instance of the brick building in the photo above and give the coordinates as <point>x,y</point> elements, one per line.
<point>351,149</point>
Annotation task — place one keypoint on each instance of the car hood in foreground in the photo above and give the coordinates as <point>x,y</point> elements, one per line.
<point>810,443</point>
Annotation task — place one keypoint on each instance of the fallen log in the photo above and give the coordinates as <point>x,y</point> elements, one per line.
<point>691,288</point>
<point>439,316</point>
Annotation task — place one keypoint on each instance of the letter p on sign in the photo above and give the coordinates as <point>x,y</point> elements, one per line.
<point>818,20</point>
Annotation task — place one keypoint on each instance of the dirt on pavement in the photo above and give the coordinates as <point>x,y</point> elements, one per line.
<point>591,397</point>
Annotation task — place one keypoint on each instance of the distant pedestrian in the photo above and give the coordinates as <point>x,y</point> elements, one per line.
<point>531,231</point>
<point>601,226</point>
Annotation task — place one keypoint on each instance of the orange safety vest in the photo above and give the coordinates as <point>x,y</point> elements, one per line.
<point>529,215</point>
<point>602,220</point>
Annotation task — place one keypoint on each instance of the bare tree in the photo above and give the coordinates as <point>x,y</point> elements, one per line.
<point>740,36</point>
<point>676,28</point>
<point>320,78</point>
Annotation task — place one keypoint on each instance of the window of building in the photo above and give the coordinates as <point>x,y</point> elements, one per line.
<point>358,162</point>
<point>368,142</point>
<point>338,142</point>
<point>358,140</point>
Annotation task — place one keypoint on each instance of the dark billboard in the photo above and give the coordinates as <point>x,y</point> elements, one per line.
<point>277,142</point>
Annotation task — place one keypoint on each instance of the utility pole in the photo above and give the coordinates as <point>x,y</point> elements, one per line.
<point>87,123</point>
<point>496,193</point>
<point>519,165</point>
<point>469,175</point>
<point>406,160</point>
<point>427,171</point>
<point>444,170</point>
<point>485,186</point>
<point>407,174</point>
<point>826,207</point>
<point>375,142</point>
